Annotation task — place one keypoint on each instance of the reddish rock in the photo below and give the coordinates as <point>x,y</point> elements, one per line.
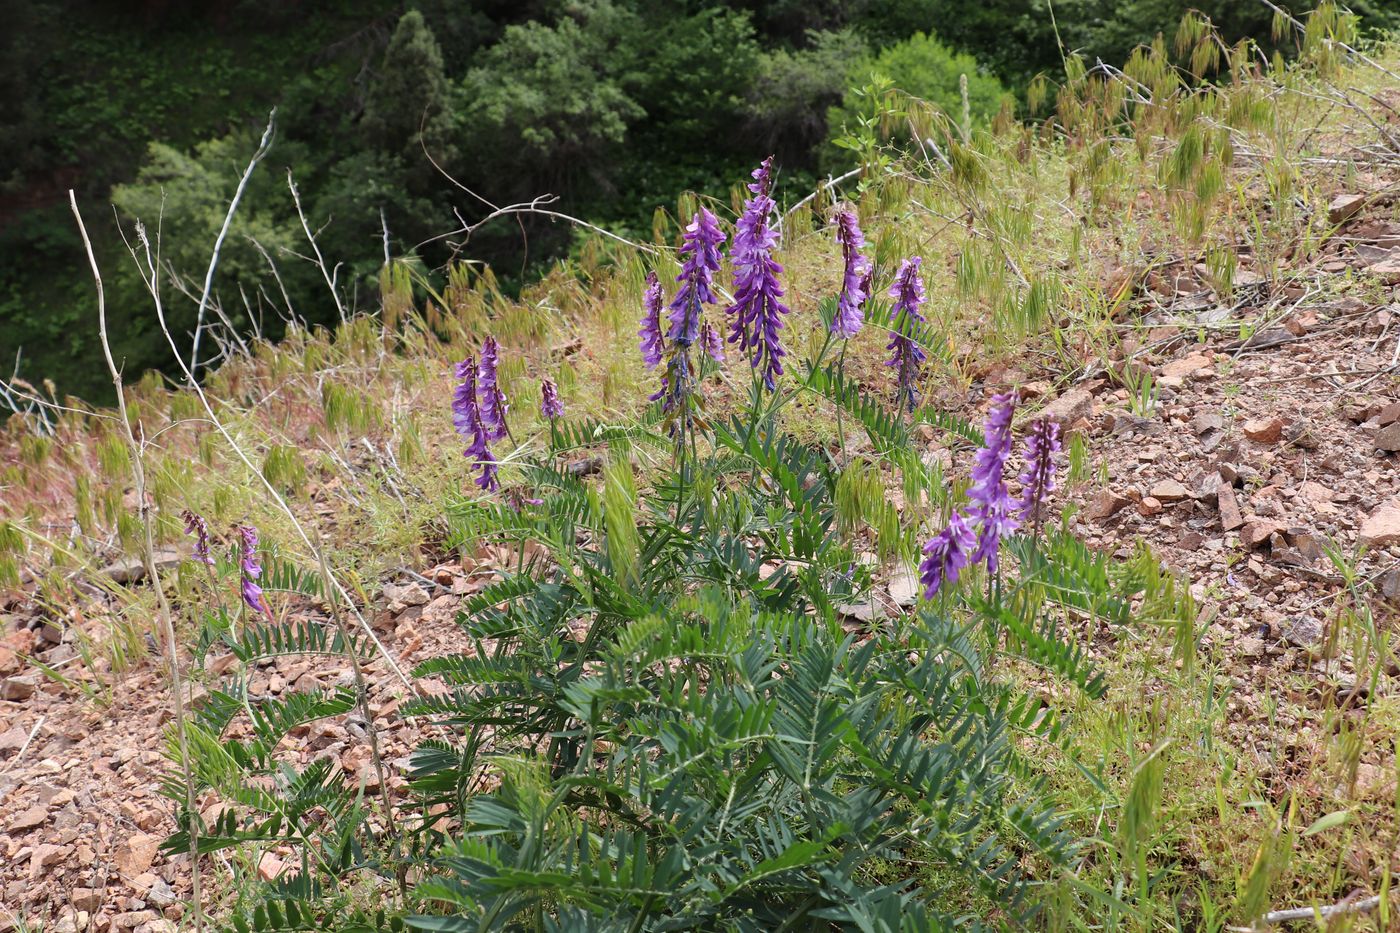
<point>1344,206</point>
<point>1382,527</point>
<point>1230,517</point>
<point>1187,365</point>
<point>32,818</point>
<point>135,854</point>
<point>1070,407</point>
<point>1264,430</point>
<point>1258,531</point>
<point>1388,438</point>
<point>1105,505</point>
<point>1169,490</point>
<point>1149,506</point>
<point>15,689</point>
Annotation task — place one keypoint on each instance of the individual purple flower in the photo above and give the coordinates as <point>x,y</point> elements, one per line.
<point>946,555</point>
<point>855,281</point>
<point>249,571</point>
<point>492,399</point>
<point>992,508</point>
<point>710,340</point>
<point>907,356</point>
<point>466,418</point>
<point>196,526</point>
<point>700,250</point>
<point>653,342</point>
<point>1038,481</point>
<point>758,309</point>
<point>550,405</point>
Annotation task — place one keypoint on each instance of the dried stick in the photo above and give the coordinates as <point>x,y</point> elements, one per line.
<point>332,586</point>
<point>263,147</point>
<point>1365,905</point>
<point>320,260</point>
<point>148,556</point>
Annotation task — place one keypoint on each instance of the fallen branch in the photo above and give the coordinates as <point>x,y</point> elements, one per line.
<point>263,147</point>
<point>1294,914</point>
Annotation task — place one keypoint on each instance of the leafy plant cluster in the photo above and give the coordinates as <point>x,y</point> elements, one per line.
<point>663,721</point>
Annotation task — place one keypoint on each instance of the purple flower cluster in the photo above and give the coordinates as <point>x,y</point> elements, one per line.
<point>906,355</point>
<point>1038,481</point>
<point>991,503</point>
<point>953,549</point>
<point>466,418</point>
<point>700,253</point>
<point>855,282</point>
<point>946,554</point>
<point>492,399</point>
<point>246,551</point>
<point>196,526</point>
<point>653,342</point>
<point>550,405</point>
<point>758,309</point>
<point>711,342</point>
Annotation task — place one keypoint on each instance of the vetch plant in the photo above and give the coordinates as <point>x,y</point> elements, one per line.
<point>1038,480</point>
<point>492,400</point>
<point>906,356</point>
<point>758,311</point>
<point>246,552</point>
<point>467,420</point>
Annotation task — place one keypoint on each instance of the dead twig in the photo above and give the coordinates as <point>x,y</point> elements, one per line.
<point>263,147</point>
<point>167,622</point>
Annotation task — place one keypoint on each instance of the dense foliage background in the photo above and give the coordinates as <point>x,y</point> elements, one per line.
<point>614,105</point>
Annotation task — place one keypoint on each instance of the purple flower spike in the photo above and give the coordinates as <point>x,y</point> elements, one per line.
<point>701,261</point>
<point>466,418</point>
<point>946,555</point>
<point>758,308</point>
<point>195,525</point>
<point>550,405</point>
<point>493,400</point>
<point>1042,443</point>
<point>991,503</point>
<point>855,283</point>
<point>907,357</point>
<point>710,340</point>
<point>249,570</point>
<point>653,342</point>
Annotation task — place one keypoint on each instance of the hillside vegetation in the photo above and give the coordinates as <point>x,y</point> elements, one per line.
<point>611,106</point>
<point>1003,536</point>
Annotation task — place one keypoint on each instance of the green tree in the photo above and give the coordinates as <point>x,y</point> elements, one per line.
<point>544,104</point>
<point>407,104</point>
<point>786,107</point>
<point>925,68</point>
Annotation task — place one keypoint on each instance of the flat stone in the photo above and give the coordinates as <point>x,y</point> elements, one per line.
<point>1169,490</point>
<point>15,689</point>
<point>1149,506</point>
<point>1070,407</point>
<point>1388,438</point>
<point>135,854</point>
<point>1178,369</point>
<point>1301,631</point>
<point>1229,505</point>
<point>1388,271</point>
<point>401,597</point>
<point>1382,527</point>
<point>1264,430</point>
<point>904,588</point>
<point>1344,206</point>
<point>1258,532</point>
<point>32,818</point>
<point>1105,505</point>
